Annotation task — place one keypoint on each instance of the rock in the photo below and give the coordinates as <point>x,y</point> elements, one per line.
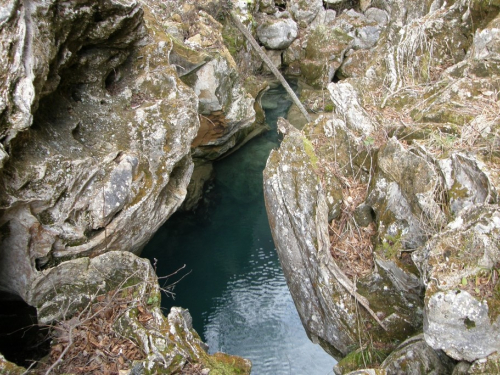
<point>462,368</point>
<point>346,104</point>
<point>355,64</point>
<point>364,4</point>
<point>377,16</point>
<point>277,33</point>
<point>366,37</point>
<point>107,159</point>
<point>291,210</point>
<point>9,368</point>
<point>267,6</point>
<point>323,55</point>
<point>304,12</point>
<point>203,174</point>
<point>299,223</point>
<point>226,108</point>
<point>368,372</point>
<point>364,215</point>
<point>403,197</point>
<point>488,365</point>
<point>126,282</point>
<point>275,57</point>
<point>186,59</point>
<point>415,357</point>
<point>461,313</point>
<point>486,42</point>
<point>466,183</point>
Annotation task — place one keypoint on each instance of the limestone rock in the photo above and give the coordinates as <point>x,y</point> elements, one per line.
<point>324,54</point>
<point>403,197</point>
<point>415,357</point>
<point>355,64</point>
<point>462,368</point>
<point>298,220</point>
<point>368,372</point>
<point>347,105</point>
<point>106,160</point>
<point>304,12</point>
<point>225,107</point>
<point>267,6</point>
<point>377,16</point>
<point>203,174</point>
<point>168,343</point>
<point>488,365</point>
<point>9,368</point>
<point>277,33</point>
<point>486,43</point>
<point>299,223</point>
<point>466,183</point>
<point>461,312</point>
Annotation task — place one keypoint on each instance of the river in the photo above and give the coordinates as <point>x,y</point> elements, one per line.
<point>235,289</point>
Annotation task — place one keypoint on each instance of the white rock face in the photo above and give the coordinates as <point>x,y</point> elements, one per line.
<point>347,105</point>
<point>104,157</point>
<point>459,324</point>
<point>277,34</point>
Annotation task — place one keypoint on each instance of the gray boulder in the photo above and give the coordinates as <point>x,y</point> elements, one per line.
<point>415,357</point>
<point>304,12</point>
<point>277,33</point>
<point>403,196</point>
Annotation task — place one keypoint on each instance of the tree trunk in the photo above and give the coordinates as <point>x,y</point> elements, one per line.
<point>268,62</point>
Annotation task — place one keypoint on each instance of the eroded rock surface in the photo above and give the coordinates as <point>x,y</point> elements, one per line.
<point>105,160</point>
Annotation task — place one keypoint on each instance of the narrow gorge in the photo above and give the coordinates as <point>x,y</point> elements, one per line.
<point>117,116</point>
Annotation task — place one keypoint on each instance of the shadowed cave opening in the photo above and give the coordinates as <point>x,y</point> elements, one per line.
<point>22,340</point>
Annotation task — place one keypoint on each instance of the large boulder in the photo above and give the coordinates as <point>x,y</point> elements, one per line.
<point>403,196</point>
<point>277,33</point>
<point>415,357</point>
<point>315,253</point>
<point>118,294</point>
<point>324,54</point>
<point>304,12</point>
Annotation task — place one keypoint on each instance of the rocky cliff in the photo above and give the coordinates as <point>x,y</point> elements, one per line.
<point>384,210</point>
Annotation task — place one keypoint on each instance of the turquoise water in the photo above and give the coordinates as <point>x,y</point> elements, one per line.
<point>236,291</point>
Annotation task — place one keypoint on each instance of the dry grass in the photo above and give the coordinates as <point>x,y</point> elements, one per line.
<point>88,343</point>
<point>351,245</point>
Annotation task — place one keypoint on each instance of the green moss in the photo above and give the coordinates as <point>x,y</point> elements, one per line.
<point>458,191</point>
<point>361,358</point>
<point>9,368</point>
<point>469,324</point>
<point>225,364</point>
<point>390,246</point>
<point>45,218</point>
<point>309,149</point>
<point>329,108</point>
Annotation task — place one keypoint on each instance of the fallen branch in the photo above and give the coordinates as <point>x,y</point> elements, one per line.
<point>269,63</point>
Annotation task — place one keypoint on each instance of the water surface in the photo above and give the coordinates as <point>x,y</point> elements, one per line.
<point>236,291</point>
